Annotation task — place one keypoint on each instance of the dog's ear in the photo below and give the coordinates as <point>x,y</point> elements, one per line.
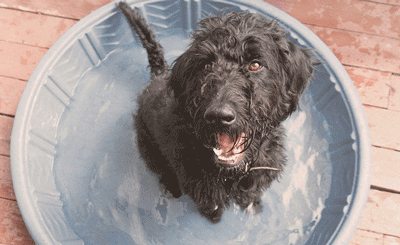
<point>298,67</point>
<point>183,71</point>
<point>176,81</point>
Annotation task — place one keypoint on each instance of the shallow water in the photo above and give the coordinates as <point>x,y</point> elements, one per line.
<point>109,197</point>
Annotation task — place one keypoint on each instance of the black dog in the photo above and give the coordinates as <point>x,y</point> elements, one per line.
<point>210,126</point>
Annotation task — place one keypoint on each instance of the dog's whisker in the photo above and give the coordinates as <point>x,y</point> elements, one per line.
<point>265,167</point>
<point>195,101</point>
<point>247,144</point>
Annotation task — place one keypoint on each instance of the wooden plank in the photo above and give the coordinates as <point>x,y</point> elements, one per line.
<point>31,29</point>
<point>394,98</point>
<point>5,134</point>
<point>13,229</point>
<point>382,213</point>
<point>4,147</point>
<point>10,93</point>
<point>18,60</point>
<point>385,171</point>
<point>67,8</point>
<point>391,240</point>
<point>366,237</point>
<point>372,86</point>
<point>384,127</point>
<point>362,50</point>
<point>6,186</point>
<point>351,15</point>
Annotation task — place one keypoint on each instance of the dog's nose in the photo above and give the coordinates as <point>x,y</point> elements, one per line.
<point>223,114</point>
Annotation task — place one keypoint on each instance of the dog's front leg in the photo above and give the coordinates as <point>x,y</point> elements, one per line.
<point>210,199</point>
<point>248,196</point>
<point>252,204</point>
<point>169,182</point>
<point>212,211</point>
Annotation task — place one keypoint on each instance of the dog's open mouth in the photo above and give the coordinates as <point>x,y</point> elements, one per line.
<point>229,151</point>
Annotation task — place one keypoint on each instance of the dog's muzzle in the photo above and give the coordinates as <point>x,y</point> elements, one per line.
<point>229,149</point>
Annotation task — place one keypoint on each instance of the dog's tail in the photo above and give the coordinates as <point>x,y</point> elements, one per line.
<point>155,51</point>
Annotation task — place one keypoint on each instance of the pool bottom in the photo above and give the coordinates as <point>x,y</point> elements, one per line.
<point>109,197</point>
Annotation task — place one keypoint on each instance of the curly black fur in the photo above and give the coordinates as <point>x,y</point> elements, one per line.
<point>240,77</point>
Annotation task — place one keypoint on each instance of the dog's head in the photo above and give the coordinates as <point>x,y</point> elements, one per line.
<point>239,78</point>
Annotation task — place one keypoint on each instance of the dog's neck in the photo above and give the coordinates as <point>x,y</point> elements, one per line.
<point>231,182</point>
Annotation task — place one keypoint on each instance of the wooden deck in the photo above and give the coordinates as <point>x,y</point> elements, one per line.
<point>363,34</point>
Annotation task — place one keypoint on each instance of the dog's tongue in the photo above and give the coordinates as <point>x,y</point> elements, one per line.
<point>227,151</point>
<point>225,142</point>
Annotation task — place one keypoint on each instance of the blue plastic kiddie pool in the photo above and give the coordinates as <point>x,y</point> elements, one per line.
<point>77,175</point>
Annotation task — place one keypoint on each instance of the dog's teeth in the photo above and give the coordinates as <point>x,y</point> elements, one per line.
<point>227,159</point>
<point>217,151</point>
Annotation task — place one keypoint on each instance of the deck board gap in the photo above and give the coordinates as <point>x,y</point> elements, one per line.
<point>8,199</point>
<point>385,148</point>
<point>380,233</point>
<point>373,187</point>
<point>367,68</point>
<point>380,3</point>
<point>40,13</point>
<point>375,106</point>
<point>352,31</point>
<point>25,44</point>
<point>19,79</point>
<point>6,115</point>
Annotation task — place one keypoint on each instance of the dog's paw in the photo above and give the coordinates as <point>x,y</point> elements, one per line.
<point>250,209</point>
<point>212,212</point>
<point>169,193</point>
<point>170,188</point>
<point>165,193</point>
<point>254,208</point>
<point>215,216</point>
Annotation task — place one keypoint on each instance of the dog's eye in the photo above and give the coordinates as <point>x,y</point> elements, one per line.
<point>255,66</point>
<point>208,66</point>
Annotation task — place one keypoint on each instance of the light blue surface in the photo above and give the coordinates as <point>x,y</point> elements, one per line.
<point>77,175</point>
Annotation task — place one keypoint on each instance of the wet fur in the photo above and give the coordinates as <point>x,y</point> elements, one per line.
<point>176,141</point>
